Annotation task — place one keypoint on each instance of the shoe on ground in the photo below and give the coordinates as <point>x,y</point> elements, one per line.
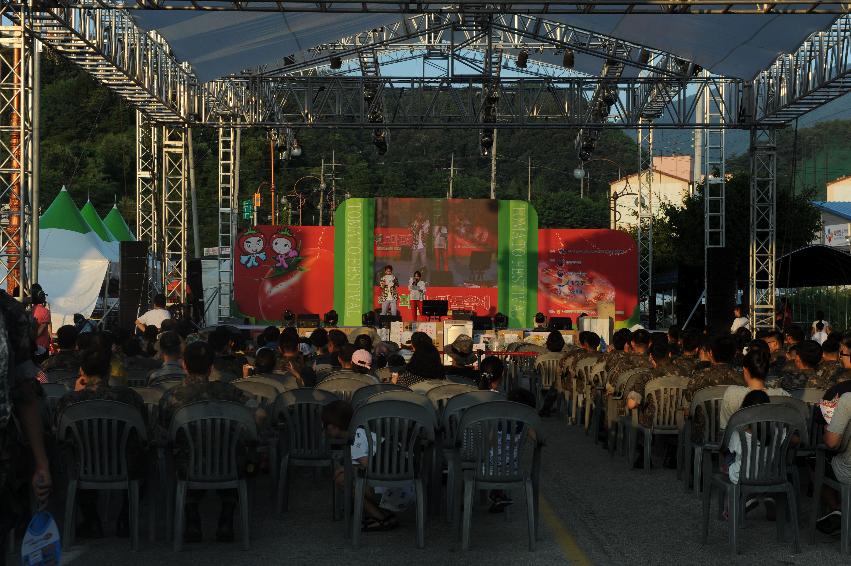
<point>830,524</point>
<point>751,504</point>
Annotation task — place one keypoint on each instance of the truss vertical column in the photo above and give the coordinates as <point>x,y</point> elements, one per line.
<point>16,189</point>
<point>147,178</point>
<point>228,211</point>
<point>645,220</point>
<point>763,227</point>
<point>713,166</point>
<point>174,185</point>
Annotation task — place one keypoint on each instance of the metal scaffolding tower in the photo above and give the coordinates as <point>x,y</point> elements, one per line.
<point>147,179</point>
<point>18,234</point>
<point>228,211</point>
<point>174,226</point>
<point>645,221</point>
<point>713,174</point>
<point>763,227</point>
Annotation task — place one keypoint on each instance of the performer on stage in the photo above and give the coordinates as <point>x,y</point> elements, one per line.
<point>417,293</point>
<point>389,291</point>
<point>420,229</point>
<point>440,239</point>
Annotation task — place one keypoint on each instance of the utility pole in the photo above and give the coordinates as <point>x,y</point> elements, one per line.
<point>493,165</point>
<point>333,186</point>
<point>321,191</point>
<point>452,170</point>
<point>193,196</point>
<point>529,182</point>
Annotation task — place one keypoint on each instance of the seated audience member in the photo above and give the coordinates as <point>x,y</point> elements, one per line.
<point>460,351</point>
<point>198,358</point>
<point>93,384</point>
<point>830,352</point>
<point>171,352</point>
<point>754,370</point>
<point>82,324</point>
<point>618,348</point>
<point>319,341</point>
<point>774,340</point>
<point>689,356</point>
<point>395,367</point>
<point>491,371</point>
<point>363,342</point>
<point>830,366</point>
<point>540,322</point>
<point>155,316</point>
<point>837,415</point>
<point>105,341</point>
<point>635,358</point>
<point>66,359</point>
<point>336,417</point>
<point>362,362</point>
<point>307,350</point>
<point>149,340</point>
<point>265,362</point>
<point>420,340</point>
<point>226,365</point>
<point>425,364</point>
<point>841,380</point>
<point>134,357</point>
<point>807,359</point>
<point>752,398</point>
<point>720,372</point>
<point>269,338</point>
<point>336,340</point>
<point>169,324</point>
<point>292,361</point>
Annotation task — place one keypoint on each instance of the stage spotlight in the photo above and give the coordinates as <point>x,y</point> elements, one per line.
<point>486,142</point>
<point>368,319</point>
<point>610,97</point>
<point>568,59</point>
<point>379,140</point>
<point>522,58</point>
<point>289,319</point>
<point>336,62</point>
<point>500,321</point>
<point>584,155</point>
<point>331,318</point>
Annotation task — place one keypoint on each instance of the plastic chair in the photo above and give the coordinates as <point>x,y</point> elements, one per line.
<point>597,377</point>
<point>548,372</point>
<point>212,432</point>
<point>423,387</point>
<point>502,433</point>
<point>440,395</point>
<point>689,453</point>
<point>100,431</point>
<point>300,413</point>
<point>61,376</point>
<point>449,420</point>
<point>582,389</point>
<point>668,395</point>
<point>264,393</point>
<point>764,459</point>
<point>624,424</point>
<point>151,396</point>
<point>343,387</point>
<point>166,385</point>
<point>137,377</point>
<point>844,489</point>
<point>399,434</point>
<point>809,395</point>
<point>361,395</point>
<point>349,374</point>
<point>280,382</point>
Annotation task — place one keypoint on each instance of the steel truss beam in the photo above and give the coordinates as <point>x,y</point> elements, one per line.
<point>18,234</point>
<point>228,212</point>
<point>818,72</point>
<point>645,221</point>
<point>467,6</point>
<point>175,226</point>
<point>763,227</point>
<point>417,102</point>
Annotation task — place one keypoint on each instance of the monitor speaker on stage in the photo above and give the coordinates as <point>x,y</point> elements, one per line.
<point>441,279</point>
<point>132,281</point>
<point>462,314</point>
<point>308,320</point>
<point>482,323</point>
<point>435,308</point>
<point>384,320</point>
<point>560,323</point>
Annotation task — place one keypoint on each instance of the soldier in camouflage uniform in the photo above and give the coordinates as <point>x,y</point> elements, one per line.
<point>198,362</point>
<point>93,384</point>
<point>227,366</point>
<point>774,340</point>
<point>20,395</point>
<point>829,368</point>
<point>721,372</point>
<point>686,363</point>
<point>807,358</point>
<point>65,361</point>
<point>636,358</point>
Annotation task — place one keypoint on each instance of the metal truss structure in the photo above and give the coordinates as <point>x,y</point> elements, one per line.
<point>18,224</point>
<point>174,213</point>
<point>474,6</point>
<point>763,227</point>
<point>228,210</point>
<point>645,221</point>
<point>100,36</point>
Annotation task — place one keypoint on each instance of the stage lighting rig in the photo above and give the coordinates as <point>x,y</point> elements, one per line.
<point>336,62</point>
<point>379,140</point>
<point>486,142</point>
<point>522,59</point>
<point>289,319</point>
<point>330,318</point>
<point>568,60</point>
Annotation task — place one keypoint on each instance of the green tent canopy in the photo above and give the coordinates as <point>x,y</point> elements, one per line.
<point>116,225</point>
<point>63,214</point>
<point>91,216</point>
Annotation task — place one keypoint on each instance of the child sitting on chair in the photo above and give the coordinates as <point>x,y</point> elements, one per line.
<point>336,417</point>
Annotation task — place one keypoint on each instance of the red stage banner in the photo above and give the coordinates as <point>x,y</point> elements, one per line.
<point>578,269</point>
<point>284,267</point>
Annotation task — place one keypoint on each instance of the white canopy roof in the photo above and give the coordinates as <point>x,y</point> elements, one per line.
<point>222,43</point>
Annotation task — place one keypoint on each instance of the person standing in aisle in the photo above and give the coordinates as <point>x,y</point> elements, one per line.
<point>389,291</point>
<point>417,289</point>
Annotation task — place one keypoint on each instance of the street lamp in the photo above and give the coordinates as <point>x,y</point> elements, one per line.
<point>301,198</point>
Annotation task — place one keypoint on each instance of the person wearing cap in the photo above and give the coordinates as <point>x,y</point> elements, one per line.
<point>361,361</point>
<point>460,351</point>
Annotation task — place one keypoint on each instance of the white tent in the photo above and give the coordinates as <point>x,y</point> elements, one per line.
<point>72,263</point>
